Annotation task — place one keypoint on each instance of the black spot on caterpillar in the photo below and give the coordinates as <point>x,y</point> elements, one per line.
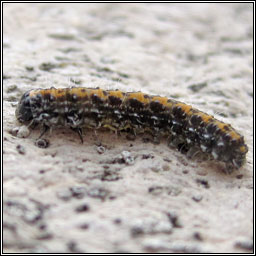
<point>188,129</point>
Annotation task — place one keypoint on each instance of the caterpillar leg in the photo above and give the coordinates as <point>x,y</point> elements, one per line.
<point>178,143</point>
<point>43,131</point>
<point>229,168</point>
<point>193,152</point>
<point>79,131</point>
<point>33,124</point>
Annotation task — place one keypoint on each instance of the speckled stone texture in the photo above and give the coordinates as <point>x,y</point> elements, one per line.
<point>113,194</point>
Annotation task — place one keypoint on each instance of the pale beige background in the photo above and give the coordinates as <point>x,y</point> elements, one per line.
<point>70,198</point>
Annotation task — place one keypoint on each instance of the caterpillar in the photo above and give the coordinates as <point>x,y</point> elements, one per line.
<point>188,129</point>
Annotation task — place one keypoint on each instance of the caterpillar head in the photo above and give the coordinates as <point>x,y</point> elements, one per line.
<point>23,111</point>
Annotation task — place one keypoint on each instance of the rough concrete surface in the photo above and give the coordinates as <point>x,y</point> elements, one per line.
<point>112,194</point>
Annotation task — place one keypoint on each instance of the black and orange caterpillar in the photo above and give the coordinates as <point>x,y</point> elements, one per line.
<point>188,129</point>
